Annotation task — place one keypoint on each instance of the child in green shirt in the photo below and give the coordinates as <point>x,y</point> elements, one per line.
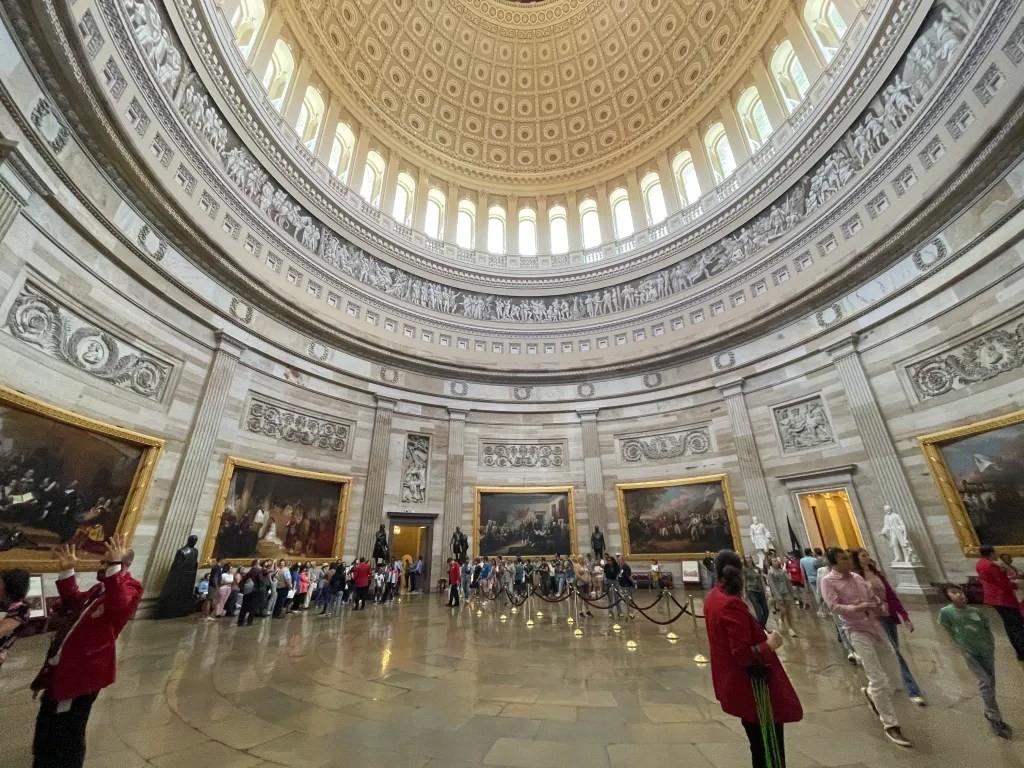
<point>971,631</point>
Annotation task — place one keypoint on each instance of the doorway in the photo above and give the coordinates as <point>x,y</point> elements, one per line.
<point>829,519</point>
<point>412,536</point>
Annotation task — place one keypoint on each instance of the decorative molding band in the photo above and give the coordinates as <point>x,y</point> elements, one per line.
<point>265,416</point>
<point>803,425</point>
<point>536,455</point>
<point>61,333</point>
<point>668,445</point>
<point>984,357</point>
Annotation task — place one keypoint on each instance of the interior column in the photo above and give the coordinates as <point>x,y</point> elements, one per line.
<point>453,490</point>
<point>376,474</point>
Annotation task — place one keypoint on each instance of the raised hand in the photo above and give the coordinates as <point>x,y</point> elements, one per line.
<point>66,557</point>
<point>117,547</point>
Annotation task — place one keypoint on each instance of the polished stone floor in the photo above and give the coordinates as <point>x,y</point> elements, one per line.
<point>416,684</point>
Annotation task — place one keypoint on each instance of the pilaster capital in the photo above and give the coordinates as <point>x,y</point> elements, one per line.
<point>843,347</point>
<point>385,403</point>
<point>587,416</point>
<point>228,344</point>
<point>454,414</point>
<point>732,388</point>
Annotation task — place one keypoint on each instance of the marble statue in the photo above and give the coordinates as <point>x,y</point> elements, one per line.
<point>176,597</point>
<point>895,532</point>
<point>597,543</point>
<point>761,537</point>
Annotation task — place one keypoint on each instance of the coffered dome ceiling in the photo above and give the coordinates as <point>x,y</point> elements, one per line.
<point>531,92</point>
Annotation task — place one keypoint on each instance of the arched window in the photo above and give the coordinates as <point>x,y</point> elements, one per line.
<point>654,198</point>
<point>405,193</point>
<point>465,224</point>
<point>373,178</point>
<point>246,23</point>
<point>622,216</point>
<point>528,232</point>
<point>790,75</point>
<point>311,114</point>
<point>434,224</point>
<point>496,229</point>
<point>686,178</point>
<point>826,24</point>
<point>719,152</point>
<point>590,224</point>
<point>278,74</point>
<point>341,151</point>
<point>558,229</point>
<point>753,118</point>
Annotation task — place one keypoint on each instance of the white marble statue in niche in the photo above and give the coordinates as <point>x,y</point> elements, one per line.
<point>761,538</point>
<point>895,532</point>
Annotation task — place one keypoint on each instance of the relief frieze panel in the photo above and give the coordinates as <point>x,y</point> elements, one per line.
<point>504,454</point>
<point>62,333</point>
<point>266,416</point>
<point>803,425</point>
<point>691,441</point>
<point>984,357</point>
<point>936,46</point>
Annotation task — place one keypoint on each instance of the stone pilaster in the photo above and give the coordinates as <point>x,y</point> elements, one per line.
<point>453,479</point>
<point>751,471</point>
<point>881,452</point>
<point>17,184</point>
<point>376,474</point>
<point>194,469</point>
<point>593,479</point>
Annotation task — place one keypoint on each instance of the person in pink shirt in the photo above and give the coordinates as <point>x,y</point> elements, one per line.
<point>850,598</point>
<point>997,591</point>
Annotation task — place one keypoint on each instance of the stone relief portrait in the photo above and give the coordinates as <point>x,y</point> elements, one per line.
<point>980,472</point>
<point>803,425</point>
<point>677,519</point>
<point>532,521</point>
<point>65,479</point>
<point>414,469</point>
<point>264,511</point>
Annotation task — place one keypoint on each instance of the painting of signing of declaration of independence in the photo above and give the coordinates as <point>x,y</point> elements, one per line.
<point>980,471</point>
<point>65,479</point>
<point>681,519</point>
<point>264,511</point>
<point>532,521</point>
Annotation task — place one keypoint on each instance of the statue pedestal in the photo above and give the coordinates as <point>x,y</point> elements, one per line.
<point>908,579</point>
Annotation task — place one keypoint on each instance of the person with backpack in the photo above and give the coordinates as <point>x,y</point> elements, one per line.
<point>247,587</point>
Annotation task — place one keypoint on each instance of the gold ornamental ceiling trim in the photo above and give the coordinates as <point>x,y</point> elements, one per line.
<point>610,146</point>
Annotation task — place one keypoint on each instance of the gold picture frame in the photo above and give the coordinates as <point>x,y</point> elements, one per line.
<point>975,482</point>
<point>480,502</point>
<point>641,541</point>
<point>78,443</point>
<point>233,466</point>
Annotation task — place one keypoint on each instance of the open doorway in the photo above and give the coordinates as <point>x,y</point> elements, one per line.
<point>412,537</point>
<point>829,518</point>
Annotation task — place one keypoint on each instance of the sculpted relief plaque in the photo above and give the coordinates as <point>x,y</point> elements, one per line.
<point>803,425</point>
<point>414,469</point>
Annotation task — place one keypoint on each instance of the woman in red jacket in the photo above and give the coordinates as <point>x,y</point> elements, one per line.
<point>738,647</point>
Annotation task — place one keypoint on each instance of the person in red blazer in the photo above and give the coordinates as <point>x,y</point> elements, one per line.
<point>82,659</point>
<point>997,591</point>
<point>737,644</point>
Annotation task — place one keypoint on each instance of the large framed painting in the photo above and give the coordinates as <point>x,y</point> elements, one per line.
<point>677,519</point>
<point>532,521</point>
<point>979,469</point>
<point>66,479</point>
<point>265,511</point>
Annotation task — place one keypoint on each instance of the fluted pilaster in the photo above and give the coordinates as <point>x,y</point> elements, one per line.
<point>194,469</point>
<point>881,451</point>
<point>751,471</point>
<point>376,474</point>
<point>453,479</point>
<point>593,479</point>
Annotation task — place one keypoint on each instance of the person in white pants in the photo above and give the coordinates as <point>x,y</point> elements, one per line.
<point>850,598</point>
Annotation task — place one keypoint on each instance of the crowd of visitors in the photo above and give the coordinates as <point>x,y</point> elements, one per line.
<point>847,586</point>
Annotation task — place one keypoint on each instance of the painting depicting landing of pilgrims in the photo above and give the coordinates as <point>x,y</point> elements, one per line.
<point>66,479</point>
<point>264,511</point>
<point>677,519</point>
<point>980,471</point>
<point>531,521</point>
